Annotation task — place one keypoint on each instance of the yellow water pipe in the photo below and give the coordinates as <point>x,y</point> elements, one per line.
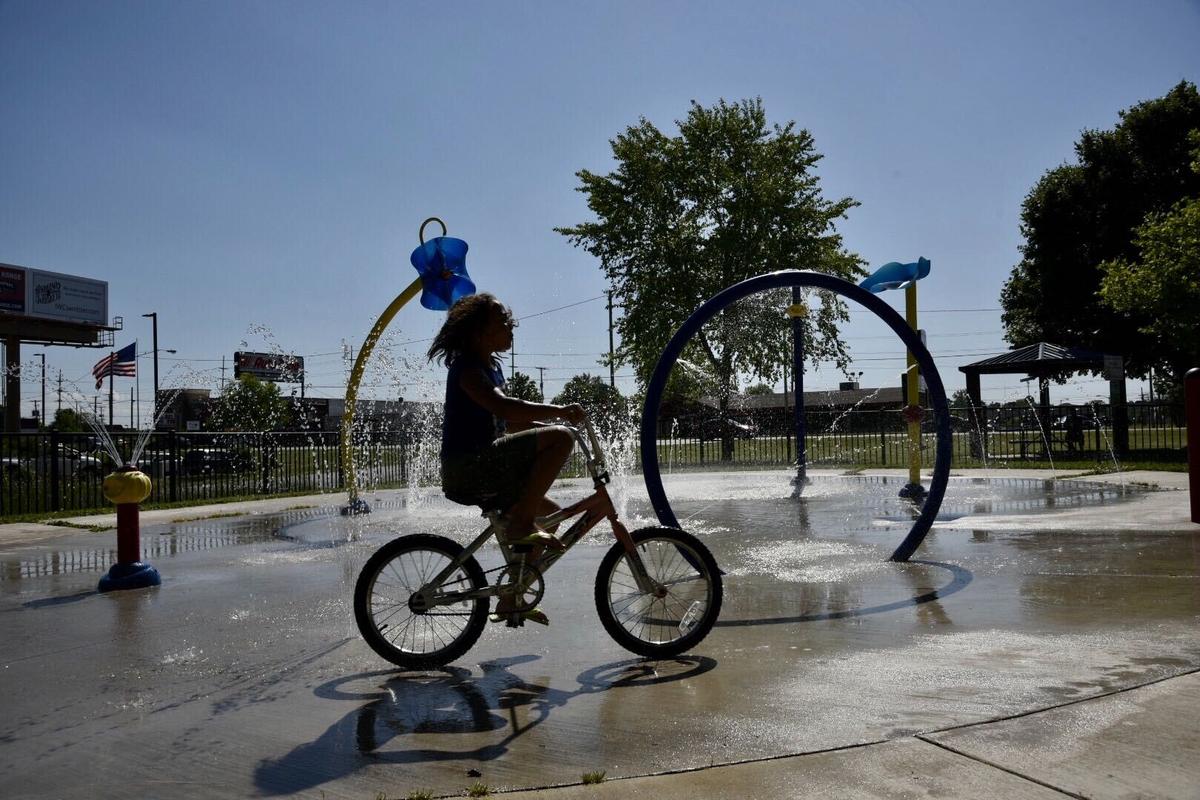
<point>356,374</point>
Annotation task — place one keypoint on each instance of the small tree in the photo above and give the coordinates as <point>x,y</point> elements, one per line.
<point>249,404</point>
<point>960,399</point>
<point>522,387</point>
<point>68,420</point>
<point>760,389</point>
<point>603,403</point>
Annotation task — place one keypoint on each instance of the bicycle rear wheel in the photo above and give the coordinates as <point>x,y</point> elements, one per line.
<point>396,625</point>
<point>678,612</point>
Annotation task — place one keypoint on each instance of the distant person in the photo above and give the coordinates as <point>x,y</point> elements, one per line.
<point>1074,432</point>
<point>492,456</point>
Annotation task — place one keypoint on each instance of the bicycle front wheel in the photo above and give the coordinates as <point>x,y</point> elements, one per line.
<point>679,607</point>
<point>393,617</point>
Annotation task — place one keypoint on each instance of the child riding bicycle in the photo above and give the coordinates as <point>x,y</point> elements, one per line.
<point>491,455</point>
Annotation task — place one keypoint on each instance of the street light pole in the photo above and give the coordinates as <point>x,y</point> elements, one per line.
<point>153,315</point>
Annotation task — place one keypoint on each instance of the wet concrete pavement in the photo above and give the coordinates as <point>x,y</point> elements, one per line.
<point>1042,643</point>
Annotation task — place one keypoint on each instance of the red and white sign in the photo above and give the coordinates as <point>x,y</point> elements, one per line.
<point>277,367</point>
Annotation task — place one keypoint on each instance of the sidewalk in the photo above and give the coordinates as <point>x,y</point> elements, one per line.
<point>1139,742</point>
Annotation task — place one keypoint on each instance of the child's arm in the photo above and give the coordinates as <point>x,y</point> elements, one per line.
<point>510,409</point>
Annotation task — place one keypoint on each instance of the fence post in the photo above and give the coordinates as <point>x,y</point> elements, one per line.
<point>55,473</point>
<point>262,463</point>
<point>173,466</point>
<point>883,445</point>
<point>1191,402</point>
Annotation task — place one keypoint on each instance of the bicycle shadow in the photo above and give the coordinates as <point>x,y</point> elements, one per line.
<point>961,577</point>
<point>450,700</point>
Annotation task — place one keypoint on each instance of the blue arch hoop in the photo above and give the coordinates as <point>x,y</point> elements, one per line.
<point>817,280</point>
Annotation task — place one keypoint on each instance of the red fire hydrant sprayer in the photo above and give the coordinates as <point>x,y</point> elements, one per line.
<point>126,488</point>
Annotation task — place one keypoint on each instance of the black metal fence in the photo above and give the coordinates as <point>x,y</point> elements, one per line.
<point>874,438</point>
<point>45,472</point>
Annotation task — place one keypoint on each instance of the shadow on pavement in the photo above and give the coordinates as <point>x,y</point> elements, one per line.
<point>960,578</point>
<point>447,701</point>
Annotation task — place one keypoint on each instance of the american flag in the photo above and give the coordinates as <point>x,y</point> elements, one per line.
<point>123,362</point>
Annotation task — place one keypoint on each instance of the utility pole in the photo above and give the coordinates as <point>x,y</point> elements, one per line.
<point>222,373</point>
<point>41,421</point>
<point>59,390</point>
<point>612,368</point>
<point>512,364</point>
<point>542,381</point>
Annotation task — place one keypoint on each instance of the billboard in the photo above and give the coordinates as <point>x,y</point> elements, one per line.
<point>278,367</point>
<point>52,295</point>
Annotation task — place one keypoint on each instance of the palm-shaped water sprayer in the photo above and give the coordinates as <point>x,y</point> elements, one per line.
<point>894,275</point>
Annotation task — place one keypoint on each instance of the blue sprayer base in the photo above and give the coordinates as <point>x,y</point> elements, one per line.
<point>356,506</point>
<point>130,575</point>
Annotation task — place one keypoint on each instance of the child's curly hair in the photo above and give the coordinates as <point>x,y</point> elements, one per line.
<point>465,319</point>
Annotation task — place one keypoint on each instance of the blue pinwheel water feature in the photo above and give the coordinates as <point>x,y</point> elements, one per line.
<point>442,280</point>
<point>442,265</point>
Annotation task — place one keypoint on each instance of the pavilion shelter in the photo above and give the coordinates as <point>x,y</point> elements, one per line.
<point>1045,361</point>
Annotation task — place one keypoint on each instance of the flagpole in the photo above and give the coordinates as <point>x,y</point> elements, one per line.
<point>137,386</point>
<point>110,388</point>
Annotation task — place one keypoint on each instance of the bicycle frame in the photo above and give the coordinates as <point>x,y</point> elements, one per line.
<point>593,508</point>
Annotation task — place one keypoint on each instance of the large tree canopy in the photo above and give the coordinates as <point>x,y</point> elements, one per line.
<point>1081,215</point>
<point>1162,287</point>
<point>683,217</point>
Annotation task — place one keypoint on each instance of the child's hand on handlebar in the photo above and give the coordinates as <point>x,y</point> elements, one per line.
<point>572,413</point>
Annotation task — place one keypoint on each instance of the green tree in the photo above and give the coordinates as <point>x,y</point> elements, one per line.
<point>960,399</point>
<point>760,389</point>
<point>249,404</point>
<point>522,386</point>
<point>1161,287</point>
<point>603,403</point>
<point>683,217</point>
<point>1082,215</point>
<point>68,420</point>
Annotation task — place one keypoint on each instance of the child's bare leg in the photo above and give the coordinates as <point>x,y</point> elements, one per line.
<point>554,445</point>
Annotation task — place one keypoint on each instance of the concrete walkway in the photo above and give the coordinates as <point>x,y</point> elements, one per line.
<point>1043,643</point>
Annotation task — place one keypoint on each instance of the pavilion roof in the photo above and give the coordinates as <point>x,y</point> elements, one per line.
<point>1040,359</point>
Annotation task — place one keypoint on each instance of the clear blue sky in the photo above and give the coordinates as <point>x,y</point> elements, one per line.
<point>248,166</point>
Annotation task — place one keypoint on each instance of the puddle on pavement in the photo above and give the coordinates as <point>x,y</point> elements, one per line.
<point>183,537</point>
<point>831,506</point>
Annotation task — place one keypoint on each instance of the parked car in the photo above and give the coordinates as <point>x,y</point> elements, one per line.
<point>214,461</point>
<point>72,463</point>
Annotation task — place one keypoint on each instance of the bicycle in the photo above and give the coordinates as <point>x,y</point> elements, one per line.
<point>422,600</point>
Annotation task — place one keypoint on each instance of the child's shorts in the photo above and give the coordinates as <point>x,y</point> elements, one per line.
<point>493,478</point>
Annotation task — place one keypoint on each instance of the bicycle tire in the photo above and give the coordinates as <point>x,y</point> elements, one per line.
<point>653,626</point>
<point>422,639</point>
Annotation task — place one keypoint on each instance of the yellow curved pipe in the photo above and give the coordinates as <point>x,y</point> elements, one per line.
<point>356,374</point>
